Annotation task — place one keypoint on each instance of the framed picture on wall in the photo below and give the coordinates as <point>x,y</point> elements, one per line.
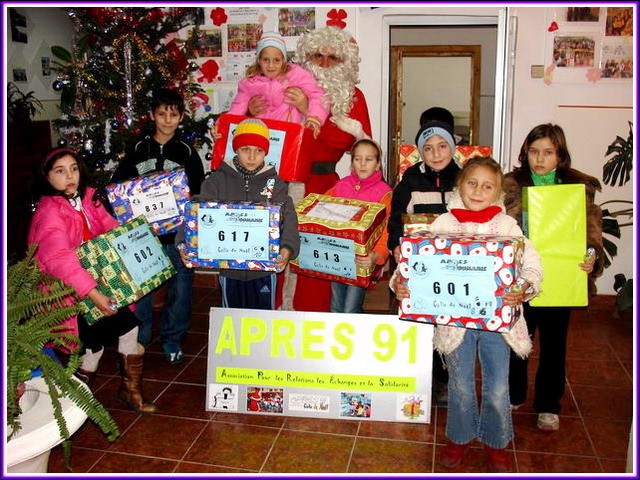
<point>18,26</point>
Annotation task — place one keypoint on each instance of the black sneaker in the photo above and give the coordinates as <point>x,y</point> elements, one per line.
<point>173,354</point>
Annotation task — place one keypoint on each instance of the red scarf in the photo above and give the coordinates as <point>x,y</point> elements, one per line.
<point>481,216</point>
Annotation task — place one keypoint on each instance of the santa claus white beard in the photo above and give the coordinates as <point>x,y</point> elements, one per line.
<point>339,83</point>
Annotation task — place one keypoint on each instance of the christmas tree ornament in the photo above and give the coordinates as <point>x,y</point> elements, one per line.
<point>62,142</point>
<point>207,157</point>
<point>115,123</point>
<point>57,85</point>
<point>128,110</point>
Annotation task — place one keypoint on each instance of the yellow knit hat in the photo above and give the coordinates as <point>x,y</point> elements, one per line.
<point>253,132</point>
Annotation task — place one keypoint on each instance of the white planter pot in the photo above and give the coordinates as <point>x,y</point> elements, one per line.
<point>28,451</point>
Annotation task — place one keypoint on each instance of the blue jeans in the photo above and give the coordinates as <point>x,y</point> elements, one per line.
<point>492,424</point>
<point>346,298</point>
<point>176,314</point>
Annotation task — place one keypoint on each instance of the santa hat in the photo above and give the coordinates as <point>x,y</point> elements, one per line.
<point>251,132</point>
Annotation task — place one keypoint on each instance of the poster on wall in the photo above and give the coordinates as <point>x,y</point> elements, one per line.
<point>616,58</point>
<point>573,51</point>
<point>583,14</point>
<point>319,365</point>
<point>208,43</point>
<point>293,22</point>
<point>619,22</point>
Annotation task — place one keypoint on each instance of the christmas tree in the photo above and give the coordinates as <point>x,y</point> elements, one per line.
<point>119,56</point>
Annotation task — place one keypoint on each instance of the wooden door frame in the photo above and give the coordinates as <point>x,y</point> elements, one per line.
<point>398,53</point>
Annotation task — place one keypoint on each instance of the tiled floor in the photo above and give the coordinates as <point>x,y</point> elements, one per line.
<point>184,438</point>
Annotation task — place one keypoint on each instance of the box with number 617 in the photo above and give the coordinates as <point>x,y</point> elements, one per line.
<point>459,280</point>
<point>241,236</point>
<point>332,232</point>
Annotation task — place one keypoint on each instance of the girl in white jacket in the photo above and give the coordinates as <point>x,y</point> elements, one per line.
<point>476,208</point>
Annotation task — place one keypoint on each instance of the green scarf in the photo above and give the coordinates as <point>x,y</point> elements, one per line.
<point>542,180</point>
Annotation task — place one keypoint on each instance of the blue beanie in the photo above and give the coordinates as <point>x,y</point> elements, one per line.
<point>272,39</point>
<point>432,128</point>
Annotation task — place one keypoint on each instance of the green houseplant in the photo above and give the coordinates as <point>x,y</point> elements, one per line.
<point>36,304</point>
<point>21,106</point>
<point>617,169</point>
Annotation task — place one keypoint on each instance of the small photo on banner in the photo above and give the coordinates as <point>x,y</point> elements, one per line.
<point>223,397</point>
<point>355,404</point>
<point>304,402</point>
<point>411,406</point>
<point>263,399</point>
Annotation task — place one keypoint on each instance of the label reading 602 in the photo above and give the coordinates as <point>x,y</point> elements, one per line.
<point>233,234</point>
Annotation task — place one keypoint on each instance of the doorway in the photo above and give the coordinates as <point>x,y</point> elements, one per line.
<point>452,67</point>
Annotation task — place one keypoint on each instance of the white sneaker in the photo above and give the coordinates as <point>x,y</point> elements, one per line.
<point>548,422</point>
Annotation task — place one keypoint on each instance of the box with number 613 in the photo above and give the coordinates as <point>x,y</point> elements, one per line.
<point>332,232</point>
<point>459,280</point>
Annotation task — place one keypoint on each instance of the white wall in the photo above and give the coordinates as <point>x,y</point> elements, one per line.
<point>45,27</point>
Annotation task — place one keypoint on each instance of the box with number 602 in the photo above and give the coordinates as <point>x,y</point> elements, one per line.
<point>241,236</point>
<point>160,197</point>
<point>459,280</point>
<point>332,232</point>
<point>127,262</point>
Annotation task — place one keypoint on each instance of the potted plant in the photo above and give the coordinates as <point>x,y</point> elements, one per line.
<point>617,169</point>
<point>36,304</point>
<point>21,106</point>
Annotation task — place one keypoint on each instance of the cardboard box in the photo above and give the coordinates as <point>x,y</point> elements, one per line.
<point>240,236</point>
<point>160,197</point>
<point>459,280</point>
<point>332,232</point>
<point>555,221</point>
<point>290,146</point>
<point>127,262</point>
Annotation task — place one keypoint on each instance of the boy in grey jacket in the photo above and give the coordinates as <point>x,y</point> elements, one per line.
<point>246,178</point>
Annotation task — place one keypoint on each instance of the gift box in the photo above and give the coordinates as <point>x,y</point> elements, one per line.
<point>417,222</point>
<point>408,155</point>
<point>290,146</point>
<point>127,262</point>
<point>240,236</point>
<point>332,232</point>
<point>464,153</point>
<point>554,219</point>
<point>160,197</point>
<point>459,280</point>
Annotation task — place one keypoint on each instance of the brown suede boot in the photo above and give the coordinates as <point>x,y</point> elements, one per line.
<point>87,377</point>
<point>130,392</point>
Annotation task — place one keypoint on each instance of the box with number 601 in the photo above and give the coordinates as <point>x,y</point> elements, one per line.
<point>241,236</point>
<point>459,280</point>
<point>332,232</point>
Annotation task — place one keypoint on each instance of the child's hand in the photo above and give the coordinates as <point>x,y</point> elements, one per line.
<point>295,96</point>
<point>214,133</point>
<point>368,261</point>
<point>516,297</point>
<point>183,256</point>
<point>588,266</point>
<point>314,126</point>
<point>283,258</point>
<point>106,305</point>
<point>402,290</point>
<point>257,105</point>
<point>350,126</point>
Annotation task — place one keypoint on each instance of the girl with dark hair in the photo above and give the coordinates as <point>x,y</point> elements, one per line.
<point>68,214</point>
<point>544,160</point>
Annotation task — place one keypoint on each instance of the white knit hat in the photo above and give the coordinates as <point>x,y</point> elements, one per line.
<point>272,39</point>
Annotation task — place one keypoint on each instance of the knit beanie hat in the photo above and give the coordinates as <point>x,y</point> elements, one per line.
<point>253,132</point>
<point>272,39</point>
<point>432,128</point>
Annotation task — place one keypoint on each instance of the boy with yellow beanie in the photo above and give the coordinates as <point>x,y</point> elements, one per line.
<point>247,178</point>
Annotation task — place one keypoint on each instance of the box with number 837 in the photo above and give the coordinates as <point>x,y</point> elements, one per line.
<point>459,280</point>
<point>241,236</point>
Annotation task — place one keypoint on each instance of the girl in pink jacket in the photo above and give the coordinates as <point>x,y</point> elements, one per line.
<point>68,214</point>
<point>364,183</point>
<point>273,78</point>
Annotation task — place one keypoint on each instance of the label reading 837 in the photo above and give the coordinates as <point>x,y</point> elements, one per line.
<point>156,205</point>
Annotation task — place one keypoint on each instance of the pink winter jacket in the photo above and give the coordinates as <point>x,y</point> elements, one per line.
<point>57,229</point>
<point>272,90</point>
